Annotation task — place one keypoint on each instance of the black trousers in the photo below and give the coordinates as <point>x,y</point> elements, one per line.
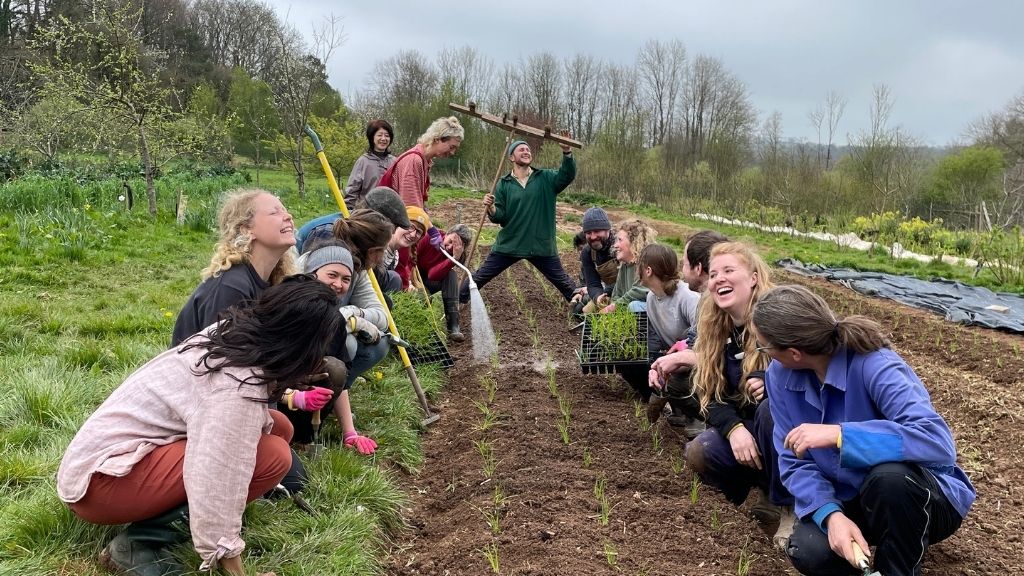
<point>900,510</point>
<point>496,263</point>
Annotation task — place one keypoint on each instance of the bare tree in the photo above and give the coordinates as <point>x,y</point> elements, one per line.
<point>543,81</point>
<point>884,161</point>
<point>466,72</point>
<point>508,92</point>
<point>297,76</point>
<point>718,117</point>
<point>816,117</point>
<point>583,79</point>
<point>661,66</point>
<point>835,105</point>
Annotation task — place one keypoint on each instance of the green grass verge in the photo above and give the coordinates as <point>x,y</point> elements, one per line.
<point>89,294</point>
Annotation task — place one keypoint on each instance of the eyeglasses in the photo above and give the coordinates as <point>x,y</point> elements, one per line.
<point>762,347</point>
<point>413,233</point>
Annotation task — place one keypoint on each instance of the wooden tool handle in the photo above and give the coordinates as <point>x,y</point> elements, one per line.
<point>316,419</point>
<point>858,555</point>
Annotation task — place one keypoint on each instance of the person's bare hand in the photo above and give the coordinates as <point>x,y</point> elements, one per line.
<point>842,533</point>
<point>603,300</point>
<point>655,379</point>
<point>565,147</point>
<point>674,362</point>
<point>744,449</point>
<point>755,386</point>
<point>807,436</point>
<point>488,199</point>
<point>608,309</point>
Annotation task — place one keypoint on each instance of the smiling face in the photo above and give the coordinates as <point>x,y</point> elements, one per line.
<point>381,140</point>
<point>731,283</point>
<point>623,247</point>
<point>271,225</point>
<point>597,238</point>
<point>521,156</point>
<point>447,148</point>
<point>337,276</point>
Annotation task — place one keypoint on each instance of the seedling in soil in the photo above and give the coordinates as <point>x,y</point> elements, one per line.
<point>490,552</point>
<point>450,488</point>
<point>565,406</point>
<point>677,463</point>
<point>499,496</point>
<point>493,518</point>
<point>656,440</point>
<point>604,508</point>
<point>716,524</point>
<point>610,555</point>
<point>694,489</point>
<point>746,560</point>
<point>490,416</point>
<point>490,386</point>
<point>587,460</point>
<point>563,430</point>
<point>552,383</point>
<point>640,412</point>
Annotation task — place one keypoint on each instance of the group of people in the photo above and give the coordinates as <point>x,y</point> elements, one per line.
<point>831,429</point>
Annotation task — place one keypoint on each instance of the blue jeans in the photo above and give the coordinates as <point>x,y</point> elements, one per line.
<point>367,356</point>
<point>638,306</point>
<point>496,263</point>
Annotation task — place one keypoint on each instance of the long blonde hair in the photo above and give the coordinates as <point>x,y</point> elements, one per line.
<point>715,326</point>
<point>235,244</point>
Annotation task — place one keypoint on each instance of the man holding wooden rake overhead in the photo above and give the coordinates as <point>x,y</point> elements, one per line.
<point>523,204</point>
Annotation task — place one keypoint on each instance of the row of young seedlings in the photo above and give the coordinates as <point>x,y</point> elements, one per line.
<point>494,510</point>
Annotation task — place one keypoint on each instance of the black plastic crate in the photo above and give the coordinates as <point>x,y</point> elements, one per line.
<point>598,358</point>
<point>433,351</point>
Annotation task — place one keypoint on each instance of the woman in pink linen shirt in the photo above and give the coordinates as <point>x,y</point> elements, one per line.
<point>188,439</point>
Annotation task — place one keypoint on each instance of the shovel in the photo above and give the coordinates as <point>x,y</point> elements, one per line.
<point>862,561</point>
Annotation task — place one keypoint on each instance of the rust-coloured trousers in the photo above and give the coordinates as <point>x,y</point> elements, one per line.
<point>155,484</point>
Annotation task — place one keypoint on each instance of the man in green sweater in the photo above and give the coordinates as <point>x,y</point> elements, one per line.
<point>523,204</point>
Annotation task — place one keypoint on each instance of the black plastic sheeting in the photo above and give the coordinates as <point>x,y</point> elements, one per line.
<point>958,302</point>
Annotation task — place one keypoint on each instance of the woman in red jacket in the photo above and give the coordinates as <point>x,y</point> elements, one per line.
<point>439,273</point>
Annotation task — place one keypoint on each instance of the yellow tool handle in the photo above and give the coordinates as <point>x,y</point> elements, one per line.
<point>858,555</point>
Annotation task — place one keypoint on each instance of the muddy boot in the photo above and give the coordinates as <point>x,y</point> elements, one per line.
<point>655,407</point>
<point>768,515</point>
<point>451,316</point>
<point>144,548</point>
<point>786,524</point>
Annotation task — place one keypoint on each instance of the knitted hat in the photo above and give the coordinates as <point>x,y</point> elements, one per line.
<point>386,201</point>
<point>417,215</point>
<point>331,254</point>
<point>464,233</point>
<point>512,147</point>
<point>596,219</point>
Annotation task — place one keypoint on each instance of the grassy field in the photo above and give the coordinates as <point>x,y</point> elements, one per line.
<point>90,292</point>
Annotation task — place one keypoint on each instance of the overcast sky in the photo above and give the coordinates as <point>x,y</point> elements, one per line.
<point>946,62</point>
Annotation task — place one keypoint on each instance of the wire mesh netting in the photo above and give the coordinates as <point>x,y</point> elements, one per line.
<point>431,351</point>
<point>606,352</point>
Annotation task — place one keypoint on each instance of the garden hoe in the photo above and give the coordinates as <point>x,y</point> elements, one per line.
<point>862,562</point>
<point>429,417</point>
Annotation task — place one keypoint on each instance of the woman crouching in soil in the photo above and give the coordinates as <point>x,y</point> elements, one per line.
<point>861,447</point>
<point>188,439</point>
<point>358,345</point>
<point>736,453</point>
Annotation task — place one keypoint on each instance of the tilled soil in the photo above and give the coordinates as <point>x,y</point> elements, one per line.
<point>532,505</point>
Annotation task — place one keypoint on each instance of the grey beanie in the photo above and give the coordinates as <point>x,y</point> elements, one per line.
<point>386,201</point>
<point>331,254</point>
<point>596,219</point>
<point>464,233</point>
<point>512,147</point>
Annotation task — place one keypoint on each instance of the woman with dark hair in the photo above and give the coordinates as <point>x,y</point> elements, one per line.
<point>860,445</point>
<point>736,452</point>
<point>369,167</point>
<point>358,345</point>
<point>188,439</point>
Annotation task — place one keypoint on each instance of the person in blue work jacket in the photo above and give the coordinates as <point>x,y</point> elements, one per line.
<point>860,445</point>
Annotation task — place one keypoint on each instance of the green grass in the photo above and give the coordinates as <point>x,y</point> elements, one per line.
<point>90,293</point>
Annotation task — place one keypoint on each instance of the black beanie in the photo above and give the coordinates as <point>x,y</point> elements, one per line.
<point>386,201</point>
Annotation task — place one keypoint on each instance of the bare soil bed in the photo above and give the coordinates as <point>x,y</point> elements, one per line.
<point>550,522</point>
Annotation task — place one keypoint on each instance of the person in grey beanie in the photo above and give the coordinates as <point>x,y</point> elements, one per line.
<point>597,259</point>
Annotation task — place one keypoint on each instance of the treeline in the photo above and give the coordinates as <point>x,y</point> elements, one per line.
<point>210,78</point>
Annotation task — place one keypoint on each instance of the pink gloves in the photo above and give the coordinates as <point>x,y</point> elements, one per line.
<point>363,444</point>
<point>310,400</point>
<point>678,347</point>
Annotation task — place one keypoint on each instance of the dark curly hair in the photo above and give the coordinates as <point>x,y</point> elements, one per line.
<point>283,334</point>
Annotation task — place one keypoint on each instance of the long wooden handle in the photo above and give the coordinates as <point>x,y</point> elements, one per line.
<point>494,184</point>
<point>858,555</point>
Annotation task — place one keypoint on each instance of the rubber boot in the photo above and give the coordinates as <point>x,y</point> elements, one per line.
<point>451,315</point>
<point>144,548</point>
